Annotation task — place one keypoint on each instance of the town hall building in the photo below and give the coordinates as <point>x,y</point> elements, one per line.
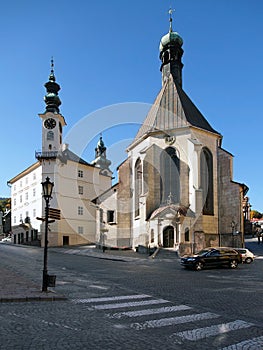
<point>76,183</point>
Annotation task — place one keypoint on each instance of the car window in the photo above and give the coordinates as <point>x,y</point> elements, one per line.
<point>214,253</point>
<point>203,252</point>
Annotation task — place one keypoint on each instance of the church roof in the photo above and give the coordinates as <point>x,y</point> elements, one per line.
<point>173,109</point>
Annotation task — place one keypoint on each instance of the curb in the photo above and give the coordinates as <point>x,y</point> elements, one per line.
<point>31,299</point>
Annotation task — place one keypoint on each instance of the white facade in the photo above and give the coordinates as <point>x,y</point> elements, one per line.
<point>26,197</point>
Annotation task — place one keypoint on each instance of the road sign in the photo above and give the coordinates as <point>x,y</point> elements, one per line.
<point>43,219</point>
<point>54,213</point>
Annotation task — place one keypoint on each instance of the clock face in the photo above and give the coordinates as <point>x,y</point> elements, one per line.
<point>50,123</point>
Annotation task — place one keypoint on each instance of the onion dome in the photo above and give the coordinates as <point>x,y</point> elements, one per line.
<point>169,38</point>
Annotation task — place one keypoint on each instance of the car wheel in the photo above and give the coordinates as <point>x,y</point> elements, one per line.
<point>198,266</point>
<point>233,264</point>
<point>248,260</point>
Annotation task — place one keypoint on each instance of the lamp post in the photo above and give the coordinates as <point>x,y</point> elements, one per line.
<point>47,192</point>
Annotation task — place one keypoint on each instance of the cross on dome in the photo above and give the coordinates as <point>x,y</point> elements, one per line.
<point>171,11</point>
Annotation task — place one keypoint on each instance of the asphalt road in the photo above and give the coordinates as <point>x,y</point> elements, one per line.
<point>136,304</point>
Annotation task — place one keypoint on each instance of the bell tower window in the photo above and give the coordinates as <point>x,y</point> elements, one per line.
<point>50,136</point>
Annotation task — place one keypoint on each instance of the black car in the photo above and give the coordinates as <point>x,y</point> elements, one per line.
<point>212,257</point>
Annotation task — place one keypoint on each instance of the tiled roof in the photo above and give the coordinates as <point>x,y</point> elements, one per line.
<point>173,109</point>
<point>69,155</point>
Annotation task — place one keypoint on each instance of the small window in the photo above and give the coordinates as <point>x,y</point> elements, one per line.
<point>26,196</point>
<point>80,230</point>
<point>80,173</point>
<point>101,215</point>
<point>14,219</point>
<point>152,235</point>
<point>21,198</point>
<point>81,190</point>
<point>34,213</point>
<point>14,201</point>
<point>34,192</point>
<point>110,216</point>
<point>80,210</point>
<point>34,176</point>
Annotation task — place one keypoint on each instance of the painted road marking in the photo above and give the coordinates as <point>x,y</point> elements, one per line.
<point>201,333</point>
<point>101,300</point>
<point>129,304</point>
<point>164,322</point>
<point>250,344</point>
<point>150,311</point>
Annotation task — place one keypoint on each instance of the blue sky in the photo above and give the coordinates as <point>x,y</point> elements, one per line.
<point>106,53</point>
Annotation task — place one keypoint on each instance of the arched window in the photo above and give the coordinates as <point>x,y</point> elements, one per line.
<point>138,186</point>
<point>187,235</point>
<point>170,176</point>
<point>207,181</point>
<point>50,136</point>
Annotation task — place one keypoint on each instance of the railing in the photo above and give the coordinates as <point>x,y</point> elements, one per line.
<point>46,155</point>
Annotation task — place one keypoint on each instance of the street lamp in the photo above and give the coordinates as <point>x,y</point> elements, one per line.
<point>47,187</point>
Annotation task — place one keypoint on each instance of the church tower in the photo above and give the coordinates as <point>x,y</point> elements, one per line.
<point>101,160</point>
<point>171,53</point>
<point>52,121</point>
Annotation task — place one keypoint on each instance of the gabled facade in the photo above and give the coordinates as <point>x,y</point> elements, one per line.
<point>176,188</point>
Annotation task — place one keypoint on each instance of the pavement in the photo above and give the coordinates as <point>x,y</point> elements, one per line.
<point>17,288</point>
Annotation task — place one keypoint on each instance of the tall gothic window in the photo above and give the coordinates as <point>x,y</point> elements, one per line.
<point>138,186</point>
<point>207,181</point>
<point>170,176</point>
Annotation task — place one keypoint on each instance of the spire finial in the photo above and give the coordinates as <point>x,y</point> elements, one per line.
<point>52,75</point>
<point>52,64</point>
<point>171,11</point>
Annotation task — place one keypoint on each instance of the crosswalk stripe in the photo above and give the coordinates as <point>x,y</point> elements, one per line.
<point>254,343</point>
<point>201,333</point>
<point>163,322</point>
<point>101,300</point>
<point>129,304</point>
<point>150,311</point>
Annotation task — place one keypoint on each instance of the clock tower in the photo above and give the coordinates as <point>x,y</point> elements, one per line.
<point>52,121</point>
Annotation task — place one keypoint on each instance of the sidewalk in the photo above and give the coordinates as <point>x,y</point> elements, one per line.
<point>127,255</point>
<point>17,288</point>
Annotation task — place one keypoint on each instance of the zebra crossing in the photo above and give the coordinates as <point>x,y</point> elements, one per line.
<point>142,312</point>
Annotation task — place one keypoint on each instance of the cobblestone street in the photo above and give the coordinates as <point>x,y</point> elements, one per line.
<point>118,300</point>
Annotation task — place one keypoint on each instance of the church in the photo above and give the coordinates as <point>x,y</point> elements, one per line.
<point>175,189</point>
